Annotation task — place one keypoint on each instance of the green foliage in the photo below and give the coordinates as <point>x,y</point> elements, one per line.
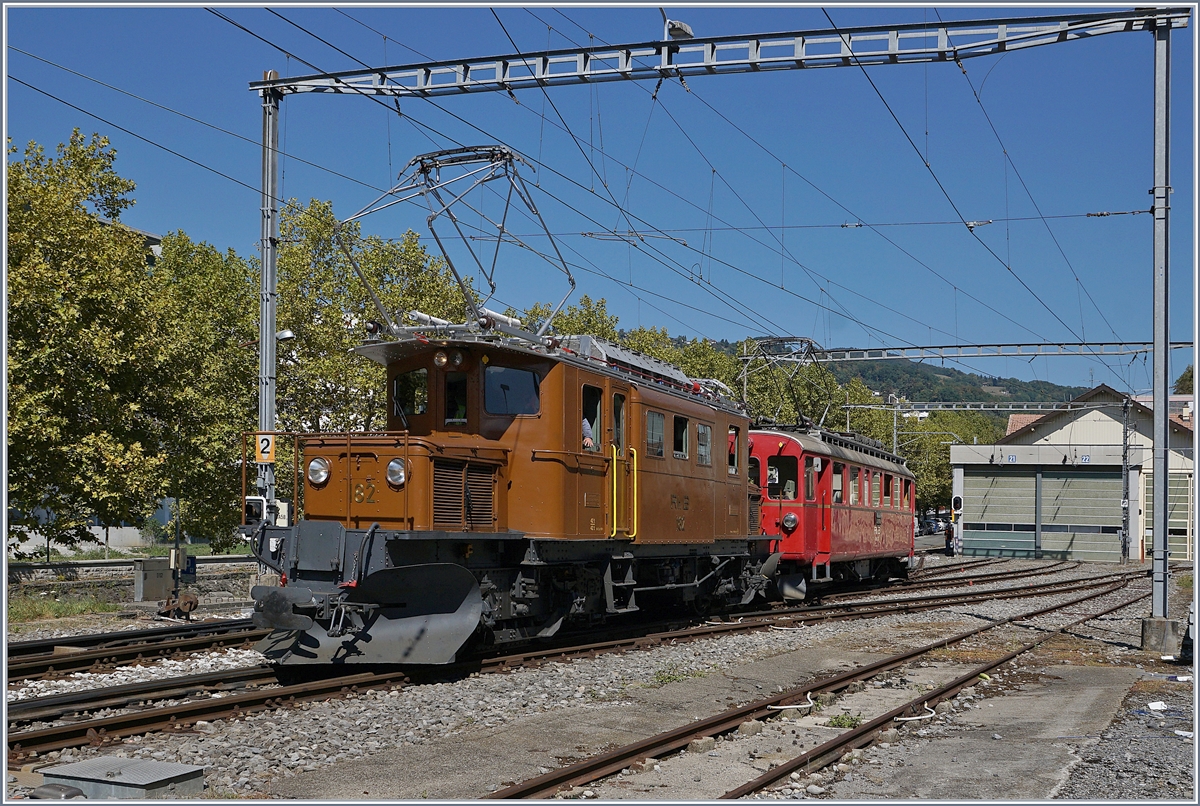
<point>845,721</point>
<point>589,317</point>
<point>322,386</point>
<point>916,381</point>
<point>1183,384</point>
<point>85,347</point>
<point>22,607</point>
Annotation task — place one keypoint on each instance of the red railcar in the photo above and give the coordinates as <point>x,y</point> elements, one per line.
<point>838,506</point>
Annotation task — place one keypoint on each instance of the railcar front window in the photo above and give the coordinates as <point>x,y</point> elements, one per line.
<point>783,476</point>
<point>654,433</point>
<point>510,391</point>
<point>839,470</point>
<point>456,398</point>
<point>755,471</point>
<point>703,444</point>
<point>410,393</point>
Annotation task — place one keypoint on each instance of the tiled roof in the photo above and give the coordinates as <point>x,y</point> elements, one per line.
<point>1018,421</point>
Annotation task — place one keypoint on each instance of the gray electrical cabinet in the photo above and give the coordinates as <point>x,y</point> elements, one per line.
<point>152,579</point>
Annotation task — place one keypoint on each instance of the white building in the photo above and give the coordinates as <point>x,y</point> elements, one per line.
<point>1053,486</point>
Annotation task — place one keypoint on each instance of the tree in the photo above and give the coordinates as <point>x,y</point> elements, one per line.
<point>588,318</point>
<point>84,347</point>
<point>322,386</point>
<point>210,396</point>
<point>1183,384</point>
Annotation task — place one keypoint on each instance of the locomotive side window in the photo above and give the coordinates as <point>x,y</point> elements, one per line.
<point>654,433</point>
<point>619,423</point>
<point>874,489</point>
<point>783,473</point>
<point>510,391</point>
<point>592,397</point>
<point>735,448</point>
<point>680,441</point>
<point>703,444</point>
<point>854,482</point>
<point>810,480</point>
<point>839,471</point>
<point>410,393</point>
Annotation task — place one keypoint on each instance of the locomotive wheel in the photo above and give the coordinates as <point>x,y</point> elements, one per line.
<point>702,605</point>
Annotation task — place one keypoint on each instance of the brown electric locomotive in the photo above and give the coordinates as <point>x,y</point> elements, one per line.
<point>523,486</point>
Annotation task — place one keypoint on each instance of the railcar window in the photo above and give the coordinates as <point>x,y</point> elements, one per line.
<point>592,397</point>
<point>810,480</point>
<point>874,489</point>
<point>783,473</point>
<point>410,393</point>
<point>679,442</point>
<point>887,490</point>
<point>619,423</point>
<point>510,391</point>
<point>654,433</point>
<point>735,448</point>
<point>703,444</point>
<point>854,482</point>
<point>456,398</point>
<point>839,471</point>
<point>907,491</point>
<point>755,471</point>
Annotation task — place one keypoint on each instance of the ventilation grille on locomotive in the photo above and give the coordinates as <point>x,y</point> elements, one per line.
<point>462,496</point>
<point>755,514</point>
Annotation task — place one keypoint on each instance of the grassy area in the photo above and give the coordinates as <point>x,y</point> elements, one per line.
<point>37,608</point>
<point>152,550</point>
<point>1185,581</point>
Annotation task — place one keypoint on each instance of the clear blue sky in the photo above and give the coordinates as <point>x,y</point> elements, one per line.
<point>1075,118</point>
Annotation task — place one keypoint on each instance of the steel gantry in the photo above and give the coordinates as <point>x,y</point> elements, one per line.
<point>691,56</point>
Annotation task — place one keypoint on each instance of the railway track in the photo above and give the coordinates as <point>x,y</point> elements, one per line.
<point>599,766</point>
<point>258,688</point>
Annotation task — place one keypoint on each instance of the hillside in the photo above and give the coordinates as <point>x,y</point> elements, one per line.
<point>926,382</point>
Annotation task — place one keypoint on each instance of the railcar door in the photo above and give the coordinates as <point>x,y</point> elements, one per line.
<point>618,451</point>
<point>592,463</point>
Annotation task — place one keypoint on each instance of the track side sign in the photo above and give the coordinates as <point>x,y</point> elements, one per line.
<point>264,449</point>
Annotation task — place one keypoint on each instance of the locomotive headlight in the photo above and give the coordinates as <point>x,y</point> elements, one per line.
<point>396,473</point>
<point>790,521</point>
<point>439,358</point>
<point>318,470</point>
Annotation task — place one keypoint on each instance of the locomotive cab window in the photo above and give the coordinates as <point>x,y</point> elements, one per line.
<point>735,448</point>
<point>654,433</point>
<point>783,475</point>
<point>854,482</point>
<point>456,398</point>
<point>592,398</point>
<point>680,437</point>
<point>410,393</point>
<point>703,444</point>
<point>510,391</point>
<point>839,470</point>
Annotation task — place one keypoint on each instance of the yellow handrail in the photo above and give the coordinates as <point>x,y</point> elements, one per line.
<point>613,532</point>
<point>633,454</point>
